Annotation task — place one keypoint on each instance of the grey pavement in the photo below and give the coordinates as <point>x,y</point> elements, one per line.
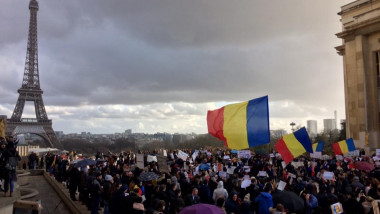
<point>50,201</point>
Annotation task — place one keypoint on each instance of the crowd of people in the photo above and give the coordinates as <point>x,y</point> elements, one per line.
<point>258,183</point>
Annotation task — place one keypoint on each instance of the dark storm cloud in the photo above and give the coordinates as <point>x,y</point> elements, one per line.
<point>97,52</point>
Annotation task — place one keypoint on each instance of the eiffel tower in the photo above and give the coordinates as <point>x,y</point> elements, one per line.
<point>30,91</point>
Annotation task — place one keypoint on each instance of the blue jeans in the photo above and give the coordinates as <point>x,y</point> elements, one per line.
<point>106,207</point>
<point>8,182</point>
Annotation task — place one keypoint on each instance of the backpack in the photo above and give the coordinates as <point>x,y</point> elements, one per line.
<point>11,164</point>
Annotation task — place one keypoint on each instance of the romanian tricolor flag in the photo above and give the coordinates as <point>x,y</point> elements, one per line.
<point>318,147</point>
<point>241,125</point>
<point>344,146</point>
<point>293,145</point>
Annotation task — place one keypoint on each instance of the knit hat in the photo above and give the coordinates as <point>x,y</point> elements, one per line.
<point>247,196</point>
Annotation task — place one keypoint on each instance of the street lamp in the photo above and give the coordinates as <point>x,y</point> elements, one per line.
<point>292,124</point>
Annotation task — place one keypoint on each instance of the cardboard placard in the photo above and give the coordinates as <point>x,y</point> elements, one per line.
<point>162,163</point>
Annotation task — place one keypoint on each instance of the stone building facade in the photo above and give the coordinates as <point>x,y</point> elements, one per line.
<point>361,63</point>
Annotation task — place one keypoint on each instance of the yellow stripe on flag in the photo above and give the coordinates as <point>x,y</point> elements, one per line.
<point>315,146</point>
<point>235,125</point>
<point>294,146</point>
<point>343,146</point>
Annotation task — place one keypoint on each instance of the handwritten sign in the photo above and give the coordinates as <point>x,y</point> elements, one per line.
<point>328,175</point>
<point>244,154</point>
<point>226,157</point>
<point>223,174</point>
<point>316,155</point>
<point>182,155</point>
<point>262,174</point>
<point>151,158</point>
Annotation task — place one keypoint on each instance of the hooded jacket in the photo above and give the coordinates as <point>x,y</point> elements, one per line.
<point>263,202</point>
<point>220,192</point>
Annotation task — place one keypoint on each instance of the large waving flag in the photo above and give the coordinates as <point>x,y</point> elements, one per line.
<point>344,146</point>
<point>318,147</point>
<point>241,125</point>
<point>293,145</point>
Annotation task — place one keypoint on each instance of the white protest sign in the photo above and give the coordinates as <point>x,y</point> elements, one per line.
<point>262,174</point>
<point>165,153</point>
<point>292,175</point>
<point>316,155</point>
<point>195,154</point>
<point>231,170</point>
<point>172,155</point>
<point>244,154</point>
<point>223,174</point>
<point>281,186</point>
<point>245,183</point>
<point>297,164</point>
<point>151,158</point>
<point>283,164</point>
<point>328,175</point>
<point>226,157</point>
<point>271,155</point>
<point>375,158</point>
<point>140,161</point>
<point>339,157</point>
<point>336,208</point>
<point>182,155</point>
<point>377,152</point>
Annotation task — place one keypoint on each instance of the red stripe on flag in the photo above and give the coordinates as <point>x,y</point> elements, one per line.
<point>337,149</point>
<point>215,121</point>
<point>284,151</point>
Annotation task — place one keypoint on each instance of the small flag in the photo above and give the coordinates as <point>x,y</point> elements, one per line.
<point>344,146</point>
<point>318,147</point>
<point>241,125</point>
<point>293,145</point>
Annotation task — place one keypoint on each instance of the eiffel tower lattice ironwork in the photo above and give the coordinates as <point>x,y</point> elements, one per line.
<point>30,91</point>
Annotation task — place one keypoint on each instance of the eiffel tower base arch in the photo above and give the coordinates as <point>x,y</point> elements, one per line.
<point>43,129</point>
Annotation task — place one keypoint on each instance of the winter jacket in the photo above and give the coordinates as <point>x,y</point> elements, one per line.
<point>263,202</point>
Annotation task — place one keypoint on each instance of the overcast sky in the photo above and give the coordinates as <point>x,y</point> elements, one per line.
<point>158,66</point>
